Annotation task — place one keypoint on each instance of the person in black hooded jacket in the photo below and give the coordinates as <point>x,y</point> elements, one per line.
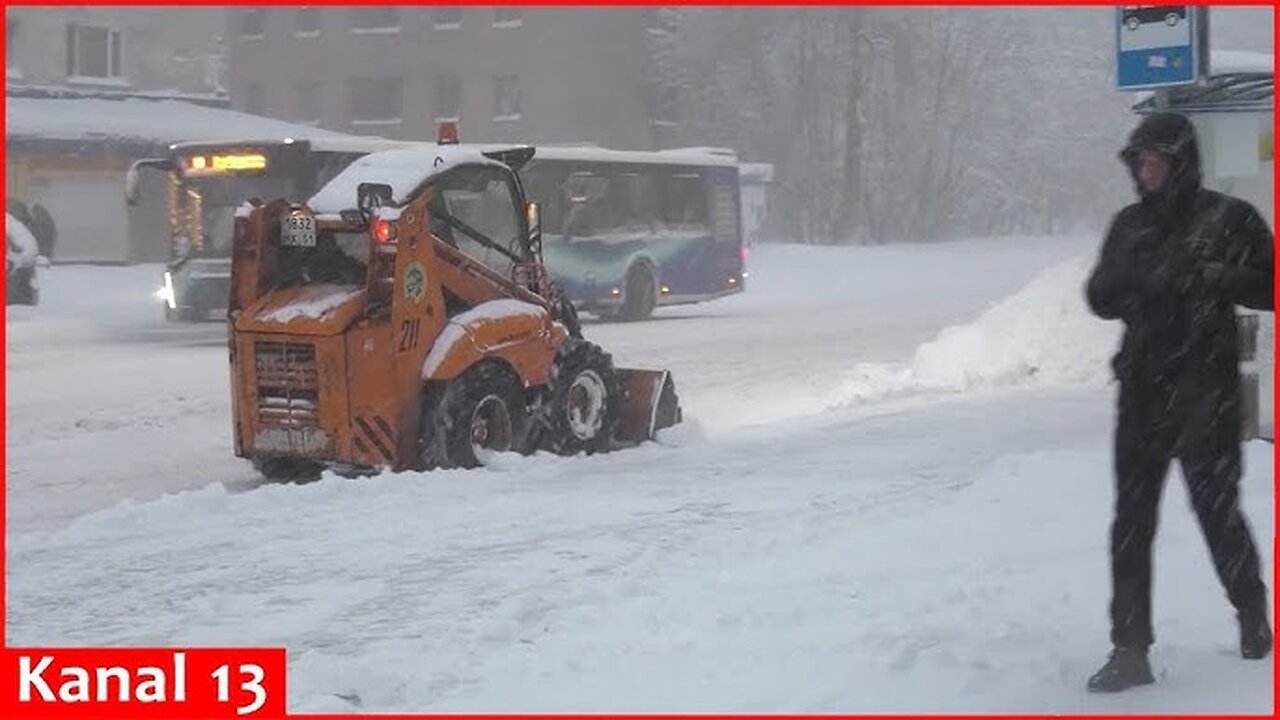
<point>1172,268</point>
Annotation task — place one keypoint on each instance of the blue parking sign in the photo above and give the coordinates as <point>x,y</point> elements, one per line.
<point>1156,46</point>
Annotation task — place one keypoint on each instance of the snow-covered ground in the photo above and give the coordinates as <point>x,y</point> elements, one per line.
<point>893,495</point>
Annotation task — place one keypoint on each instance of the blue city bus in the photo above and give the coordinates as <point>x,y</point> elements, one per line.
<point>626,232</point>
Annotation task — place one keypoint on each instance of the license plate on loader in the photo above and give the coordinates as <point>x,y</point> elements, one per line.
<point>298,230</point>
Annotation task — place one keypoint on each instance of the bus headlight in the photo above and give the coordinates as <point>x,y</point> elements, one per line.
<point>165,293</point>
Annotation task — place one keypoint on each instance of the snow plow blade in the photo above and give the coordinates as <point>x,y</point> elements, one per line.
<point>650,404</point>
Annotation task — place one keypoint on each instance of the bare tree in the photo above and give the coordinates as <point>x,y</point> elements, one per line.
<point>905,124</point>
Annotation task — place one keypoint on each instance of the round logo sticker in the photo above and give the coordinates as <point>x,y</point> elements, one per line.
<point>415,282</point>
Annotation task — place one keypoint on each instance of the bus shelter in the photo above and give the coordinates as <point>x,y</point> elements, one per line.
<point>1233,110</point>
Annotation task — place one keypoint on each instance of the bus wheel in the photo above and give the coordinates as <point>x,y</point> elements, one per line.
<point>481,412</point>
<point>641,294</point>
<point>182,314</point>
<point>584,401</point>
<point>292,470</point>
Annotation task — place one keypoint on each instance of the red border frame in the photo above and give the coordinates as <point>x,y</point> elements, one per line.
<point>810,3</point>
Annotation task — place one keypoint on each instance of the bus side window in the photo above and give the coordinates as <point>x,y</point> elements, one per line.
<point>588,209</point>
<point>684,201</point>
<point>632,203</point>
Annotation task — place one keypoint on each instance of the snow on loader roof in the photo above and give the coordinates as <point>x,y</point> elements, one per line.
<point>405,170</point>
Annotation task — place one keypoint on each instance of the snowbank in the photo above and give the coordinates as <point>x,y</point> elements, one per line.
<point>1043,334</point>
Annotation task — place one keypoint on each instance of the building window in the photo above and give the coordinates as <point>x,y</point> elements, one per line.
<point>448,18</point>
<point>506,98</point>
<point>376,101</point>
<point>447,104</point>
<point>375,19</point>
<point>253,23</point>
<point>508,17</point>
<point>307,22</point>
<point>309,94</point>
<point>93,52</point>
<point>255,100</point>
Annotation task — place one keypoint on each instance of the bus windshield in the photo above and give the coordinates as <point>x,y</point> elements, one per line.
<point>204,210</point>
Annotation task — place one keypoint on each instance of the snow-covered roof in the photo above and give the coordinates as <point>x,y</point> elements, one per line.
<point>1227,62</point>
<point>66,92</point>
<point>404,169</point>
<point>151,121</point>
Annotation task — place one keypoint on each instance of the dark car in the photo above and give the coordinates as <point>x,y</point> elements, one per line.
<point>21,253</point>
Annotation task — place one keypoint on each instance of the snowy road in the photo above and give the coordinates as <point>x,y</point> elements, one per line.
<point>840,530</point>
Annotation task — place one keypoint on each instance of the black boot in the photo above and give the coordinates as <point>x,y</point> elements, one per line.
<point>1125,668</point>
<point>1255,634</point>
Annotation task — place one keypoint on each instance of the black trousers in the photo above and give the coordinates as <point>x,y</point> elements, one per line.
<point>1205,437</point>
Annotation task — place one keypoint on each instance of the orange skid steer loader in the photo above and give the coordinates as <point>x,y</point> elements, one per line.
<point>402,319</point>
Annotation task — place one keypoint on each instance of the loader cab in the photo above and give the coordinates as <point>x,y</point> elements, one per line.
<point>477,208</point>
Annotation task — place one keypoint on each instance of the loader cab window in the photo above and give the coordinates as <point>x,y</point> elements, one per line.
<point>484,199</point>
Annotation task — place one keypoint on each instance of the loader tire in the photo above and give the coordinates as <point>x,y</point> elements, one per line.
<point>482,410</point>
<point>584,401</point>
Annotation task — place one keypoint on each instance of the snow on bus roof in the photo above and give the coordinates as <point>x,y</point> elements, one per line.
<point>340,143</point>
<point>586,152</point>
<point>404,169</point>
<point>678,156</point>
<point>138,120</point>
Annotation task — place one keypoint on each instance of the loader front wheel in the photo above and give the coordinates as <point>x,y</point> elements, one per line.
<point>481,412</point>
<point>584,401</point>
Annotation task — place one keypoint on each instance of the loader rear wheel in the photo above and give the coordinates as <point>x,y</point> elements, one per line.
<point>480,412</point>
<point>584,400</point>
